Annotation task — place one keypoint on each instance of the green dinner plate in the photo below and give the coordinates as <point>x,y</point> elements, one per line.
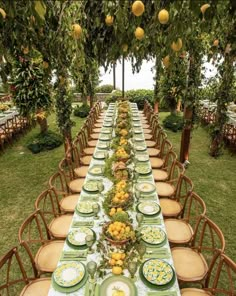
<point>124,284</point>
<point>149,208</point>
<point>85,207</point>
<point>103,145</point>
<point>76,237</point>
<point>73,288</point>
<point>140,148</point>
<point>69,274</point>
<point>137,131</point>
<point>104,137</point>
<point>158,273</point>
<point>143,169</point>
<point>106,131</point>
<point>142,157</point>
<point>145,187</point>
<point>91,186</point>
<point>153,235</point>
<point>107,124</point>
<point>96,170</point>
<point>100,155</point>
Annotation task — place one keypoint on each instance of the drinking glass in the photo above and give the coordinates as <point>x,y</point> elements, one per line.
<point>100,187</point>
<point>137,195</point>
<point>139,218</point>
<point>141,248</point>
<point>89,242</point>
<point>91,268</point>
<point>96,209</point>
<point>132,268</point>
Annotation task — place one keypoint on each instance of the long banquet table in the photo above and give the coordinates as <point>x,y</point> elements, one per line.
<point>165,254</point>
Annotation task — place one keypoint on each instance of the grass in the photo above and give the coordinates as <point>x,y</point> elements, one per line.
<point>23,176</point>
<point>214,180</point>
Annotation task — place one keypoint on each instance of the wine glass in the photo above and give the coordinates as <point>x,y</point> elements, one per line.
<point>100,187</point>
<point>139,218</point>
<point>91,268</point>
<point>89,242</point>
<point>137,195</point>
<point>96,209</point>
<point>141,248</point>
<point>132,268</point>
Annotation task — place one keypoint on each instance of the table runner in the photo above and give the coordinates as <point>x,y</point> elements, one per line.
<point>164,253</point>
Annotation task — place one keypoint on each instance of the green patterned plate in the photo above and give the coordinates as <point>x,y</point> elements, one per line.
<point>121,283</point>
<point>77,236</point>
<point>103,145</point>
<point>140,147</point>
<point>104,137</point>
<point>149,208</point>
<point>145,187</point>
<point>142,157</point>
<point>96,170</point>
<point>137,131</point>
<point>143,169</point>
<point>107,124</point>
<point>85,207</point>
<point>153,235</point>
<point>91,186</point>
<point>158,272</point>
<point>69,274</point>
<point>106,131</point>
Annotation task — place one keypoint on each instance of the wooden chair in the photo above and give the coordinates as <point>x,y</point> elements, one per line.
<point>80,163</point>
<point>81,143</point>
<point>58,223</point>
<point>14,279</point>
<point>180,231</point>
<point>221,279</point>
<point>158,162</point>
<point>168,188</point>
<point>173,206</point>
<point>5,136</point>
<point>163,174</point>
<point>192,264</point>
<point>159,136</point>
<point>43,250</point>
<point>66,167</point>
<point>67,200</point>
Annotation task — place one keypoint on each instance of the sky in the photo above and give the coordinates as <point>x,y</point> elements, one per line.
<point>141,80</point>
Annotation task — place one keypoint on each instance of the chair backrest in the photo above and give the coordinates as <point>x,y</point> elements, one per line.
<point>160,136</point>
<point>208,239</point>
<point>58,182</point>
<point>221,279</point>
<point>177,169</point>
<point>166,146</point>
<point>33,233</point>
<point>13,274</point>
<point>169,161</point>
<point>48,204</point>
<point>184,188</point>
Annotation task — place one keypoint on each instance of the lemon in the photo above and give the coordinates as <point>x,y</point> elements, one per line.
<point>138,8</point>
<point>45,65</point>
<point>204,7</point>
<point>77,31</point>
<point>163,16</point>
<point>109,20</point>
<point>176,46</point>
<point>216,42</point>
<point>117,270</point>
<point>3,13</point>
<point>166,61</point>
<point>26,50</point>
<point>139,33</point>
<point>125,47</point>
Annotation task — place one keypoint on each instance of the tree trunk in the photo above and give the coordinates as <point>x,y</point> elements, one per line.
<point>43,123</point>
<point>156,107</point>
<point>91,101</point>
<point>67,141</point>
<point>178,108</point>
<point>186,135</point>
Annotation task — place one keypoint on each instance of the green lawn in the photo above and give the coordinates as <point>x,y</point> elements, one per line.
<point>24,175</point>
<point>214,180</point>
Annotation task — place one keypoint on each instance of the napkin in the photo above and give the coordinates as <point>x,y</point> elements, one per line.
<point>161,253</point>
<point>74,256</point>
<point>151,221</point>
<point>83,223</point>
<point>162,293</point>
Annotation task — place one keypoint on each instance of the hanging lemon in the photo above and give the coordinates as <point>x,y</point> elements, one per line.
<point>3,13</point>
<point>204,8</point>
<point>26,50</point>
<point>125,47</point>
<point>45,65</point>
<point>77,31</point>
<point>176,46</point>
<point>163,16</point>
<point>139,33</point>
<point>138,8</point>
<point>216,42</point>
<point>109,20</point>
<point>166,61</point>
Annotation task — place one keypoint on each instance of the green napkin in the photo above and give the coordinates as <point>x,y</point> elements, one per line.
<point>151,221</point>
<point>83,223</point>
<point>73,259</point>
<point>74,256</point>
<point>161,253</point>
<point>162,293</point>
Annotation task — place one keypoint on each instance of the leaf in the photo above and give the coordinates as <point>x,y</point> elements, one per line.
<point>40,8</point>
